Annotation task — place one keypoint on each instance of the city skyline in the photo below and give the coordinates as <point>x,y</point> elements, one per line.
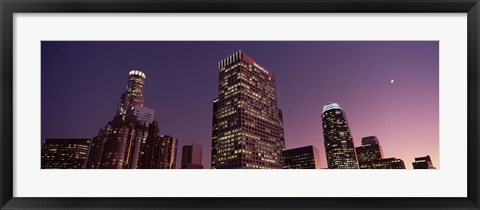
<point>428,105</point>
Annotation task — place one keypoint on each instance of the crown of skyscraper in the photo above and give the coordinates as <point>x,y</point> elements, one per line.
<point>239,55</point>
<point>370,140</point>
<point>138,73</point>
<point>331,106</point>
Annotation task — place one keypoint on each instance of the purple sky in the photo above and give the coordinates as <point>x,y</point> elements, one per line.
<point>82,83</point>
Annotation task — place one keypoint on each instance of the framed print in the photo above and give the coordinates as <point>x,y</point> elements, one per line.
<point>239,104</point>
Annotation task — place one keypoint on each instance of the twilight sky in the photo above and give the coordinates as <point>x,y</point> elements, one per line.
<point>82,83</point>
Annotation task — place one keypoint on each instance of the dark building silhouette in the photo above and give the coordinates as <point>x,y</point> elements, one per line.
<point>167,146</point>
<point>96,149</point>
<point>370,150</point>
<point>423,163</point>
<point>247,129</point>
<point>150,150</point>
<point>370,140</point>
<point>301,158</point>
<point>64,153</point>
<point>388,163</point>
<point>338,139</point>
<point>192,156</point>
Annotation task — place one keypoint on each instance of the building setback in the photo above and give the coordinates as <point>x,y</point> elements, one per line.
<point>423,163</point>
<point>301,158</point>
<point>126,139</point>
<point>338,140</point>
<point>247,129</point>
<point>64,153</point>
<point>192,156</point>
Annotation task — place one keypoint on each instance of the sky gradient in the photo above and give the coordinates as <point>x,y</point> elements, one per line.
<point>82,82</point>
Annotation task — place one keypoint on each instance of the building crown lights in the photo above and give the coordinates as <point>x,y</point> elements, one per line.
<point>137,72</point>
<point>331,106</point>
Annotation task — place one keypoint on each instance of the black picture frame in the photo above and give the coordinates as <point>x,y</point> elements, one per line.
<point>9,7</point>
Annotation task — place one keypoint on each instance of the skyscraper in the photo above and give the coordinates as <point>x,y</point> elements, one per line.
<point>64,153</point>
<point>96,149</point>
<point>133,95</point>
<point>301,158</point>
<point>370,150</point>
<point>215,145</point>
<point>168,152</point>
<point>150,149</point>
<point>192,156</point>
<point>122,143</point>
<point>338,139</point>
<point>423,163</point>
<point>247,129</point>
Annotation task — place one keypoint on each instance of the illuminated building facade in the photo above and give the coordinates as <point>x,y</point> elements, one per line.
<point>150,148</point>
<point>247,129</point>
<point>215,146</point>
<point>126,138</point>
<point>168,152</point>
<point>96,149</point>
<point>122,143</point>
<point>370,150</point>
<point>65,153</point>
<point>370,156</point>
<point>133,95</point>
<point>388,163</point>
<point>423,163</point>
<point>338,139</point>
<point>301,158</point>
<point>192,156</point>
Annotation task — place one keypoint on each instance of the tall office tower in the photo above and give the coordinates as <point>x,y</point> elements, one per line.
<point>214,148</point>
<point>388,163</point>
<point>192,156</point>
<point>149,149</point>
<point>167,152</point>
<point>121,143</point>
<point>338,139</point>
<point>247,129</point>
<point>96,149</point>
<point>133,95</point>
<point>370,150</point>
<point>160,152</point>
<point>301,158</point>
<point>122,149</point>
<point>65,153</point>
<point>423,163</point>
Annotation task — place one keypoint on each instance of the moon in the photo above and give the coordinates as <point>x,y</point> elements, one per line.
<point>392,81</point>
